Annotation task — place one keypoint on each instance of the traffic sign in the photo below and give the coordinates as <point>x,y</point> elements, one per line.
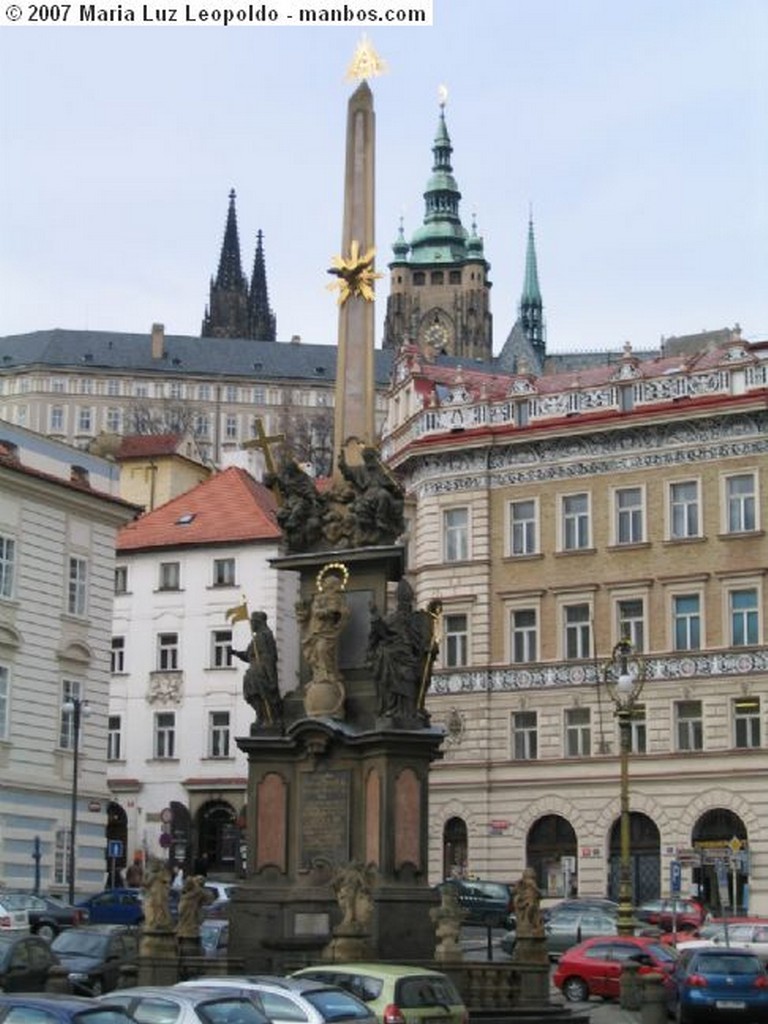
<point>675,877</point>
<point>115,849</point>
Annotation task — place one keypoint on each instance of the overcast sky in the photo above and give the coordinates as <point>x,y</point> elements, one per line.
<point>637,130</point>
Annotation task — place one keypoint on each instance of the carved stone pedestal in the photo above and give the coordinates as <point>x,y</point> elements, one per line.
<point>158,958</point>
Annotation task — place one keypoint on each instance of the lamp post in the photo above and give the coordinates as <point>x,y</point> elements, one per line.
<point>77,708</point>
<point>624,675</point>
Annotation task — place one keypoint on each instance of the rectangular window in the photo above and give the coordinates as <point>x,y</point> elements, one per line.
<point>56,421</point>
<point>523,528</point>
<point>230,428</point>
<point>578,632</point>
<point>221,648</point>
<point>258,396</point>
<point>114,738</point>
<point>575,509</point>
<point>70,689</point>
<point>524,736</point>
<point>629,515</point>
<point>121,579</point>
<point>456,534</point>
<point>168,652</point>
<point>141,390</point>
<point>743,608</point>
<point>113,421</point>
<point>113,387</point>
<point>5,699</point>
<point>223,572</point>
<point>170,575</point>
<point>631,622</point>
<point>165,734</point>
<point>7,566</point>
<point>218,734</point>
<point>77,591</point>
<point>84,420</point>
<point>690,734</point>
<point>637,737</point>
<point>204,392</point>
<point>740,498</point>
<point>524,645</point>
<point>231,393</point>
<point>456,640</point>
<point>176,390</point>
<point>202,425</point>
<point>117,661</point>
<point>57,385</point>
<point>684,510</point>
<point>746,722</point>
<point>578,737</point>
<point>686,622</point>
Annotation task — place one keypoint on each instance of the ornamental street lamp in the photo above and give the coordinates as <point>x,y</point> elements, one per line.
<point>624,675</point>
<point>78,708</point>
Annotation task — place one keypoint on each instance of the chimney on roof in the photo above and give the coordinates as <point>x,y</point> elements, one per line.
<point>296,339</point>
<point>79,475</point>
<point>158,341</point>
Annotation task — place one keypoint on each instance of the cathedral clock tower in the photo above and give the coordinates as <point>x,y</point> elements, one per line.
<point>439,295</point>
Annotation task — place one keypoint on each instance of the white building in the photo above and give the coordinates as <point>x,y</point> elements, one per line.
<point>177,778</point>
<point>59,514</point>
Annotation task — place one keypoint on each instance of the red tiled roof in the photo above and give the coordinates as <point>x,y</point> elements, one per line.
<point>228,507</point>
<point>142,446</point>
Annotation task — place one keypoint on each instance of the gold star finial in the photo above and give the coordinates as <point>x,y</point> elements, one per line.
<point>366,63</point>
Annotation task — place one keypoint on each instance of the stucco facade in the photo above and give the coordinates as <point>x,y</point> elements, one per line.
<point>554,516</point>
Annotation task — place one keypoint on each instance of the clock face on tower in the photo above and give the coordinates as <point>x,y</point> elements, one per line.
<point>435,336</point>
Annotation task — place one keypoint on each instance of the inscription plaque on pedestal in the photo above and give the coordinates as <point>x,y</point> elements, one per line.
<point>324,817</point>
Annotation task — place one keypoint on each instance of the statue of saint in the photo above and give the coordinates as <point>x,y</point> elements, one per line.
<point>192,902</point>
<point>401,651</point>
<point>260,685</point>
<point>353,886</point>
<point>156,884</point>
<point>527,901</point>
<point>323,617</point>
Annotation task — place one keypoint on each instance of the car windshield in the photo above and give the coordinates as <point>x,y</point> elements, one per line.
<point>13,901</point>
<point>663,952</point>
<point>335,1004</point>
<point>230,1011</point>
<point>79,943</point>
<point>109,1015</point>
<point>426,991</point>
<point>711,963</point>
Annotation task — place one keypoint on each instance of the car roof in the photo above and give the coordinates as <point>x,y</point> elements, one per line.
<point>291,984</point>
<point>184,993</point>
<point>43,999</point>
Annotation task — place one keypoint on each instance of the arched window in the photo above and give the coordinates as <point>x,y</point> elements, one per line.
<point>551,852</point>
<point>455,851</point>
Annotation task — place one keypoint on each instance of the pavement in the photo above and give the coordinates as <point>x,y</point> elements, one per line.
<point>601,1012</point>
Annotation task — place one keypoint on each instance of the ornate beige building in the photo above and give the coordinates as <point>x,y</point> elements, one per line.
<point>555,515</point>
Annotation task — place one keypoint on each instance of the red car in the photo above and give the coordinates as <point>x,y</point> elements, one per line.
<point>593,968</point>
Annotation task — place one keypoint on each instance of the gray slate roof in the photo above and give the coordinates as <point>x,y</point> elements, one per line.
<point>185,356</point>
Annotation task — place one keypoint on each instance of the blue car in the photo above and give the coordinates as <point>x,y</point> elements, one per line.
<point>725,985</point>
<point>59,1009</point>
<point>114,906</point>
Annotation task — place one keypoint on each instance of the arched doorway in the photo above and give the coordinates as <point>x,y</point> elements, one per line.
<point>116,833</point>
<point>455,848</point>
<point>721,878</point>
<point>644,858</point>
<point>217,836</point>
<point>550,850</point>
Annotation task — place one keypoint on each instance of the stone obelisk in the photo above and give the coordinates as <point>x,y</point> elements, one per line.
<point>355,396</point>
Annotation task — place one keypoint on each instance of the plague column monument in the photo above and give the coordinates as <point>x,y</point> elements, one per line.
<point>339,765</point>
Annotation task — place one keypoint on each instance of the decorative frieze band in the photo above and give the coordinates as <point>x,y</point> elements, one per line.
<point>658,669</point>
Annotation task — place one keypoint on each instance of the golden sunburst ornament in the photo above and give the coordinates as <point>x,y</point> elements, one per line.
<point>355,274</point>
<point>366,63</point>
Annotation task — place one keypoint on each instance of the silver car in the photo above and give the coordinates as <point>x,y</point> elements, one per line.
<point>567,929</point>
<point>200,1005</point>
<point>296,1000</point>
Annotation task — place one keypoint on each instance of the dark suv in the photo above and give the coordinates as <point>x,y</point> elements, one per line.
<point>488,903</point>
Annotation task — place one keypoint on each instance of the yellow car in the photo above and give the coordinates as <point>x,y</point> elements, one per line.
<point>395,993</point>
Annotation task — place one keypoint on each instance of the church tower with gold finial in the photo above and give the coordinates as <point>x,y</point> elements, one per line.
<point>439,295</point>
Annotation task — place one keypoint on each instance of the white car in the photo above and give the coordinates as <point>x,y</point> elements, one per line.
<point>13,913</point>
<point>220,890</point>
<point>201,1005</point>
<point>751,935</point>
<point>294,1000</point>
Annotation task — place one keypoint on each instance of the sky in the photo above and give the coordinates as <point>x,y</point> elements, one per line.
<point>636,132</point>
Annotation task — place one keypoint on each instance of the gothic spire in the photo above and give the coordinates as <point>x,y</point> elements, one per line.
<point>531,304</point>
<point>227,314</point>
<point>261,318</point>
